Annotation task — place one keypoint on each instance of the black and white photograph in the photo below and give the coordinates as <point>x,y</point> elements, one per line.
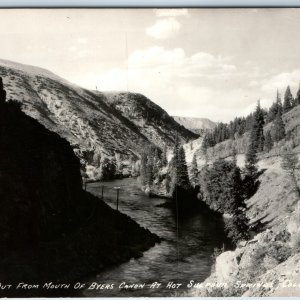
<point>149,152</point>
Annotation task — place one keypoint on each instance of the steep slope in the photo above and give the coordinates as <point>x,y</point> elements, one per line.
<point>151,120</point>
<point>268,264</point>
<point>95,129</point>
<point>197,125</point>
<point>240,143</point>
<point>50,229</point>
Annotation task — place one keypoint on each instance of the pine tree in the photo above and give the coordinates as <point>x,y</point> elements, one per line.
<point>237,227</point>
<point>182,177</point>
<point>222,186</point>
<point>297,98</point>
<point>275,108</point>
<point>194,171</point>
<point>255,144</point>
<point>257,130</point>
<point>268,141</point>
<point>288,100</point>
<point>279,128</point>
<point>279,104</point>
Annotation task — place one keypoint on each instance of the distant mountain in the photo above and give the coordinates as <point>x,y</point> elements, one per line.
<point>151,120</point>
<point>103,128</point>
<point>197,125</point>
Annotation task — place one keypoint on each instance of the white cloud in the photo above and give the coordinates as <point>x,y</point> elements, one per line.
<point>156,56</point>
<point>82,40</point>
<point>72,48</point>
<point>175,81</point>
<point>164,28</point>
<point>281,81</point>
<point>171,12</point>
<point>175,61</point>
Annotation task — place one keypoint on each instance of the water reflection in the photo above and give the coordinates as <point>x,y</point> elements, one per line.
<point>183,255</point>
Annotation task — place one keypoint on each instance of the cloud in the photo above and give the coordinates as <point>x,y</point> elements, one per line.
<point>200,64</point>
<point>156,56</point>
<point>82,40</point>
<point>72,48</point>
<point>79,51</point>
<point>164,28</point>
<point>175,81</point>
<point>171,12</point>
<point>281,81</point>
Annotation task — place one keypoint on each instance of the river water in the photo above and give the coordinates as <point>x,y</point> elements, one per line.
<point>183,255</point>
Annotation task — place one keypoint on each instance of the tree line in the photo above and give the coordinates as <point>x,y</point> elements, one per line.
<point>240,125</point>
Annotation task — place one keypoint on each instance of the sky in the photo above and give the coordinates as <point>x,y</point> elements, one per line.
<point>208,63</point>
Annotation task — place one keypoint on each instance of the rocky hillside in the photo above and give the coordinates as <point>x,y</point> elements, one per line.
<point>197,125</point>
<point>50,229</point>
<point>268,264</point>
<point>102,128</point>
<point>151,120</point>
<point>226,148</point>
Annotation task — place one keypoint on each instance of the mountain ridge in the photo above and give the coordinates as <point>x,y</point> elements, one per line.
<point>197,125</point>
<point>101,134</point>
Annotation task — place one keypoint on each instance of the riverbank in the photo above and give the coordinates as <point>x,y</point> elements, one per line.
<point>184,254</point>
<point>107,238</point>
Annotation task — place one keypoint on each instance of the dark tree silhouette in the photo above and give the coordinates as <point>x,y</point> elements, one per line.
<point>2,92</point>
<point>288,100</point>
<point>279,128</point>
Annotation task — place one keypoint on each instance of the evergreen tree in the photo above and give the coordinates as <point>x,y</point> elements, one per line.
<point>279,104</point>
<point>257,130</point>
<point>279,128</point>
<point>297,98</point>
<point>222,186</point>
<point>268,141</point>
<point>237,227</point>
<point>256,144</point>
<point>251,171</point>
<point>194,171</point>
<point>183,194</point>
<point>288,100</point>
<point>181,170</point>
<point>275,108</point>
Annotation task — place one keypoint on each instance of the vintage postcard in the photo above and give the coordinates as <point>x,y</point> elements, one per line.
<point>149,152</point>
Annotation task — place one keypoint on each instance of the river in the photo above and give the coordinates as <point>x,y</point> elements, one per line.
<point>183,255</point>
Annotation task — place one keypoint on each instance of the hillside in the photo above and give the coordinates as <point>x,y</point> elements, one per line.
<point>268,263</point>
<point>226,148</point>
<point>100,135</point>
<point>52,230</point>
<point>271,256</point>
<point>197,125</point>
<point>151,120</point>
